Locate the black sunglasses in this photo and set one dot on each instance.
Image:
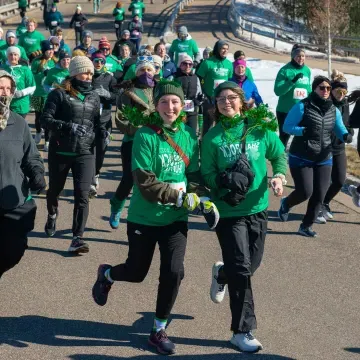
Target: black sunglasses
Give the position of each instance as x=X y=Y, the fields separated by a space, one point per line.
x=322 y=88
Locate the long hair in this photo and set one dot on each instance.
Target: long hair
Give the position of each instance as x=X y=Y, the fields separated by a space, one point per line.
x=67 y=86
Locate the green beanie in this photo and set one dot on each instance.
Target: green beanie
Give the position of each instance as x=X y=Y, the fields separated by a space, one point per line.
x=165 y=87
x=225 y=85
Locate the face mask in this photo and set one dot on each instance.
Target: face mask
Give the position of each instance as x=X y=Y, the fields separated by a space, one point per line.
x=82 y=86
x=147 y=79
x=4 y=110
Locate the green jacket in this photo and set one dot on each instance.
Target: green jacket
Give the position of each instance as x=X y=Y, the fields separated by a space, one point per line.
x=39 y=75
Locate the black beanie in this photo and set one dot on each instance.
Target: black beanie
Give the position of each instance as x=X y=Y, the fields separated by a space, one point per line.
x=339 y=84
x=318 y=80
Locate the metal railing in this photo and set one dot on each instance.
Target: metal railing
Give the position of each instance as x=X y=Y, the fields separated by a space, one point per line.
x=11 y=9
x=308 y=40
x=169 y=28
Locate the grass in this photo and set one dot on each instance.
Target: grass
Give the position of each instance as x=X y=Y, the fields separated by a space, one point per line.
x=353 y=161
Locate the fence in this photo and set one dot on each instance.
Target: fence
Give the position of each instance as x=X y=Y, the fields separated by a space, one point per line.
x=8 y=9
x=169 y=28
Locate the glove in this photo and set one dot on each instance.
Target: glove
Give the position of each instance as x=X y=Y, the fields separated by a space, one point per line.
x=37 y=184
x=79 y=130
x=195 y=64
x=103 y=92
x=234 y=181
x=189 y=201
x=297 y=77
x=348 y=138
x=200 y=99
x=18 y=94
x=210 y=212
x=233 y=198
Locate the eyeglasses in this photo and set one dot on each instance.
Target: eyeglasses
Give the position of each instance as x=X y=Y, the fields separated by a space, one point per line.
x=341 y=91
x=145 y=58
x=323 y=88
x=187 y=64
x=231 y=98
x=101 y=61
x=104 y=49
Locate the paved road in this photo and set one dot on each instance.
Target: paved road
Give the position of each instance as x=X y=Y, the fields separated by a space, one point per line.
x=306 y=291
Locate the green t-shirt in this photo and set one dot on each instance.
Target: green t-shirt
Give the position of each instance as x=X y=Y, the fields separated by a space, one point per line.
x=119 y=14
x=137 y=8
x=40 y=76
x=21 y=29
x=55 y=76
x=220 y=151
x=291 y=93
x=151 y=152
x=112 y=64
x=3 y=56
x=23 y=3
x=23 y=79
x=179 y=47
x=214 y=72
x=31 y=41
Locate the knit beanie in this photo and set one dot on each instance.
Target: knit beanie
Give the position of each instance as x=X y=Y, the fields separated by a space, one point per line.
x=88 y=33
x=78 y=7
x=125 y=32
x=157 y=59
x=98 y=55
x=183 y=30
x=80 y=65
x=185 y=57
x=12 y=50
x=207 y=50
x=10 y=33
x=296 y=50
x=54 y=40
x=165 y=87
x=104 y=43
x=225 y=85
x=239 y=62
x=318 y=80
x=144 y=63
x=64 y=55
x=46 y=45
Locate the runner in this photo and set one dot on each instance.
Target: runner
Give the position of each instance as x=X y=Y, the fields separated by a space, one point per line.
x=63 y=46
x=137 y=8
x=31 y=40
x=240 y=55
x=112 y=64
x=54 y=19
x=96 y=6
x=23 y=4
x=11 y=41
x=136 y=29
x=72 y=114
x=125 y=39
x=86 y=43
x=168 y=67
x=312 y=122
x=78 y=21
x=119 y=14
x=22 y=171
x=239 y=187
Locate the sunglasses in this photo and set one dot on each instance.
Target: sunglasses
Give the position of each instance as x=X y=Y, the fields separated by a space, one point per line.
x=157 y=67
x=101 y=61
x=187 y=64
x=145 y=58
x=104 y=49
x=323 y=88
x=231 y=98
x=341 y=91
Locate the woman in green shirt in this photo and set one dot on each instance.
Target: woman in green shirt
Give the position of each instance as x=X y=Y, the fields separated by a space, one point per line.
x=233 y=165
x=119 y=14
x=158 y=211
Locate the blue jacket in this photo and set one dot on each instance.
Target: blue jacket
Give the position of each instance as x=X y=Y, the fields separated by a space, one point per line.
x=169 y=68
x=250 y=90
x=88 y=51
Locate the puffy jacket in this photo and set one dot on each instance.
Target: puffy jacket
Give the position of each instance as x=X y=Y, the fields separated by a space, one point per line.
x=79 y=21
x=54 y=19
x=61 y=111
x=169 y=68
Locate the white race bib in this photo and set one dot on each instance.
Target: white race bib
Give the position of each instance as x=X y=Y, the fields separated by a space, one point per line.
x=300 y=94
x=117 y=26
x=136 y=11
x=217 y=83
x=178 y=186
x=78 y=23
x=54 y=23
x=189 y=106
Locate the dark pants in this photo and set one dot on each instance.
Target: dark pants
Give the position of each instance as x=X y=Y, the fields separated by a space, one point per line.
x=82 y=168
x=310 y=183
x=242 y=241
x=136 y=42
x=338 y=176
x=192 y=121
x=52 y=30
x=78 y=38
x=208 y=118
x=38 y=125
x=14 y=227
x=284 y=137
x=127 y=182
x=172 y=245
x=101 y=147
x=22 y=11
x=119 y=29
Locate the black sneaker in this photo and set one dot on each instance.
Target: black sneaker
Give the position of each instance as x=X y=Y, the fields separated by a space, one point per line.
x=50 y=226
x=102 y=286
x=78 y=245
x=162 y=343
x=283 y=212
x=210 y=213
x=307 y=231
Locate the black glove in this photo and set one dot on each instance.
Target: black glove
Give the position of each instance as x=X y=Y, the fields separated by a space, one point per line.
x=234 y=181
x=348 y=138
x=233 y=198
x=37 y=183
x=195 y=64
x=199 y=99
x=79 y=130
x=297 y=77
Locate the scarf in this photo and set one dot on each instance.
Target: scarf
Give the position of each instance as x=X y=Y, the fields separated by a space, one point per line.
x=84 y=87
x=323 y=104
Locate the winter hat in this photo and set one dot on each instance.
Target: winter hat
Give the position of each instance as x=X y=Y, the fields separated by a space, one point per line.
x=318 y=80
x=54 y=40
x=104 y=43
x=98 y=55
x=225 y=85
x=165 y=87
x=53 y=6
x=144 y=63
x=80 y=65
x=46 y=45
x=338 y=80
x=145 y=52
x=88 y=33
x=10 y=33
x=296 y=50
x=24 y=20
x=207 y=50
x=78 y=7
x=183 y=30
x=125 y=32
x=185 y=57
x=239 y=62
x=12 y=50
x=157 y=59
x=238 y=53
x=64 y=55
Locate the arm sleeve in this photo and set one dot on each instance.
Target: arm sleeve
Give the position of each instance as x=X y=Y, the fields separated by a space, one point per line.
x=256 y=96
x=71 y=21
x=339 y=128
x=30 y=83
x=202 y=69
x=275 y=153
x=293 y=119
x=85 y=20
x=354 y=119
x=282 y=83
x=209 y=169
x=196 y=51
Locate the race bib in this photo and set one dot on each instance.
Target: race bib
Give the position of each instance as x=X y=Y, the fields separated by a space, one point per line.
x=78 y=23
x=217 y=83
x=300 y=94
x=189 y=106
x=136 y=33
x=54 y=23
x=178 y=186
x=117 y=26
x=137 y=11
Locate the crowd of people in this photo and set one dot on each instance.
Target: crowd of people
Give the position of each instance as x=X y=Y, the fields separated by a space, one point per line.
x=191 y=140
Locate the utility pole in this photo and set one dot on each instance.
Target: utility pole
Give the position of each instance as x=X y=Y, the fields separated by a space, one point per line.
x=329 y=36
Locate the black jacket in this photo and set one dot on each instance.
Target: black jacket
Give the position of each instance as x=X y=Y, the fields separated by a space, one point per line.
x=354 y=120
x=61 y=111
x=78 y=18
x=119 y=43
x=20 y=162
x=189 y=84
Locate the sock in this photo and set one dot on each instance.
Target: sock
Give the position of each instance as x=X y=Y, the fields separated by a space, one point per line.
x=53 y=216
x=107 y=275
x=159 y=324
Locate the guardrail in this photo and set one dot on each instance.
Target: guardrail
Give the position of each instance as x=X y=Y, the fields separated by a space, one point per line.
x=12 y=9
x=169 y=27
x=287 y=36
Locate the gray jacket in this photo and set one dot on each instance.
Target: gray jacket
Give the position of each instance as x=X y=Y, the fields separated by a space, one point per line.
x=20 y=162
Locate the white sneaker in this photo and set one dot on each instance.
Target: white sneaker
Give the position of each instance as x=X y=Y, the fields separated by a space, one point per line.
x=96 y=181
x=217 y=291
x=92 y=192
x=46 y=146
x=37 y=138
x=320 y=218
x=246 y=342
x=355 y=195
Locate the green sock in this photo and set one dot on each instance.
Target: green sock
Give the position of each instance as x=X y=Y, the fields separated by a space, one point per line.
x=159 y=324
x=116 y=204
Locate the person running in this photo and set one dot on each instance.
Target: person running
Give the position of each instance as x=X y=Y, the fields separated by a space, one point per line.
x=184 y=44
x=54 y=19
x=233 y=165
x=23 y=4
x=136 y=29
x=40 y=68
x=104 y=84
x=137 y=8
x=312 y=122
x=63 y=46
x=96 y=6
x=138 y=94
x=192 y=89
x=125 y=39
x=86 y=43
x=292 y=85
x=46 y=6
x=338 y=172
x=11 y=41
x=158 y=211
x=252 y=96
x=22 y=27
x=119 y=14
x=168 y=68
x=112 y=64
x=24 y=80
x=212 y=72
x=240 y=55
x=72 y=114
x=22 y=173
x=78 y=22
x=31 y=40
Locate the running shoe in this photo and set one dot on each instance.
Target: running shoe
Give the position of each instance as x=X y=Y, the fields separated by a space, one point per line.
x=210 y=213
x=78 y=246
x=246 y=342
x=320 y=219
x=307 y=231
x=46 y=146
x=114 y=220
x=283 y=212
x=102 y=286
x=217 y=291
x=50 y=226
x=328 y=214
x=161 y=342
x=355 y=195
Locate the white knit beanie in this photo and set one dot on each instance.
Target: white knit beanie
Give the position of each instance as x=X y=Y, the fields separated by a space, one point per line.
x=80 y=65
x=185 y=57
x=144 y=63
x=157 y=59
x=12 y=50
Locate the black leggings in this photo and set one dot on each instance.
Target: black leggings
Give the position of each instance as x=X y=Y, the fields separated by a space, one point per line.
x=127 y=182
x=310 y=183
x=172 y=245
x=118 y=30
x=101 y=147
x=208 y=120
x=82 y=168
x=338 y=176
x=284 y=137
x=38 y=125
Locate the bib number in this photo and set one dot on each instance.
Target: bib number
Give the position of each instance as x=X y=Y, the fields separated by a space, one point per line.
x=78 y=24
x=135 y=33
x=136 y=11
x=189 y=106
x=54 y=23
x=300 y=94
x=117 y=26
x=217 y=83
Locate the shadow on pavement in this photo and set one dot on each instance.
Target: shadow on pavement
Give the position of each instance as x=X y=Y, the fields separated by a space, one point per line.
x=57 y=252
x=353 y=350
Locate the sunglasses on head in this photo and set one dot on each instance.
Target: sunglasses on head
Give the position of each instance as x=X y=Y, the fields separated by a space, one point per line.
x=99 y=60
x=323 y=88
x=145 y=58
x=187 y=64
